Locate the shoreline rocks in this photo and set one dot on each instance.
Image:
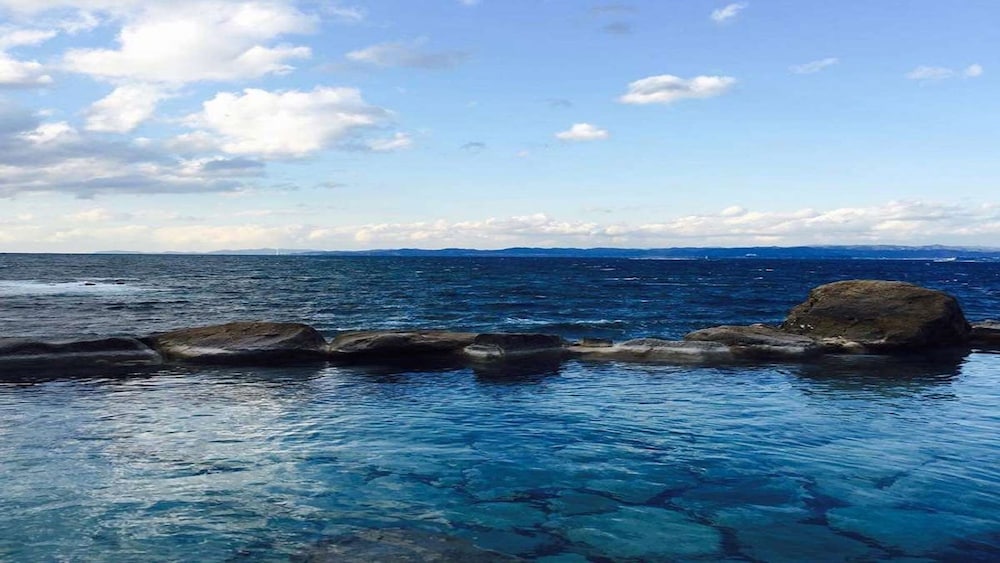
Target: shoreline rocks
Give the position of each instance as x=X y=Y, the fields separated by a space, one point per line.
x=759 y=342
x=842 y=318
x=658 y=351
x=986 y=333
x=398 y=345
x=78 y=354
x=242 y=343
x=514 y=346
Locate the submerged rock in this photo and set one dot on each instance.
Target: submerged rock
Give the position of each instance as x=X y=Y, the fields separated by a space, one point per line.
x=881 y=316
x=656 y=350
x=18 y=353
x=644 y=533
x=502 y=346
x=759 y=342
x=399 y=546
x=242 y=343
x=398 y=345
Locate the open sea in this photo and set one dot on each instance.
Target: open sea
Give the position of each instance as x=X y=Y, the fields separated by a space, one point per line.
x=849 y=459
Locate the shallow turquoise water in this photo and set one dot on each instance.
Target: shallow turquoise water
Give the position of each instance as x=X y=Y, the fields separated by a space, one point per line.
x=588 y=461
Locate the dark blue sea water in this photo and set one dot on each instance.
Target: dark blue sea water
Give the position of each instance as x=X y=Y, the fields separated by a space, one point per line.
x=852 y=459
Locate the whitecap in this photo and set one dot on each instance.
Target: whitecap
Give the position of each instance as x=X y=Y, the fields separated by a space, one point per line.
x=12 y=288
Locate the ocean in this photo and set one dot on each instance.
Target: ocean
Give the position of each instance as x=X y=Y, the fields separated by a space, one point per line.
x=855 y=458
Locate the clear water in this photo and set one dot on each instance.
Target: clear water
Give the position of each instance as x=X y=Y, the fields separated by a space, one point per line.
x=847 y=459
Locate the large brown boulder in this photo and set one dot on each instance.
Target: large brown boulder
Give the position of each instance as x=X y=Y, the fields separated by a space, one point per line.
x=242 y=343
x=881 y=316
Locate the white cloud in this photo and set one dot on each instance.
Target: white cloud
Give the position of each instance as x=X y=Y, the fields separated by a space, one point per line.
x=78 y=22
x=124 y=109
x=345 y=14
x=407 y=55
x=973 y=71
x=22 y=74
x=95 y=215
x=38 y=6
x=51 y=133
x=285 y=123
x=13 y=37
x=15 y=73
x=207 y=237
x=399 y=141
x=195 y=142
x=943 y=73
x=728 y=12
x=583 y=132
x=813 y=66
x=897 y=222
x=181 y=42
x=930 y=73
x=468 y=2
x=57 y=158
x=667 y=88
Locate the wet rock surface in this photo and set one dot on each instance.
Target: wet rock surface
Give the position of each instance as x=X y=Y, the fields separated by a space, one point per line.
x=986 y=333
x=21 y=353
x=514 y=346
x=242 y=343
x=759 y=342
x=398 y=345
x=882 y=316
x=657 y=350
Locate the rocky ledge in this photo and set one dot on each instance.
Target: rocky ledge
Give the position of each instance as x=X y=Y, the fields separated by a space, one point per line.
x=241 y=343
x=26 y=354
x=849 y=317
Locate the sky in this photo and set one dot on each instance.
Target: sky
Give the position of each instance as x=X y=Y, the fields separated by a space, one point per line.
x=199 y=125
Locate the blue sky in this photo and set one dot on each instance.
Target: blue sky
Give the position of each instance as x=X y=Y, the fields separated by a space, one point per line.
x=209 y=124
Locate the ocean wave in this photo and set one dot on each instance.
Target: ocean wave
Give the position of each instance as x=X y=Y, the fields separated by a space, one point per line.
x=580 y=323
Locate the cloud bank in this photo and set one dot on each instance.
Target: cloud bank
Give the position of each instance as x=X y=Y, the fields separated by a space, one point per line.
x=895 y=222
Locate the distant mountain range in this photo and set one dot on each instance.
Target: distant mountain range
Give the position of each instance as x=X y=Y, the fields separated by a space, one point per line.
x=936 y=252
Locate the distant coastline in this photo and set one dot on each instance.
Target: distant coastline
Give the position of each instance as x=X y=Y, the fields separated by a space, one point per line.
x=859 y=252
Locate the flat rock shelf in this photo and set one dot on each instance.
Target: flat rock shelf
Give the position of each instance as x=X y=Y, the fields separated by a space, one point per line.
x=848 y=317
